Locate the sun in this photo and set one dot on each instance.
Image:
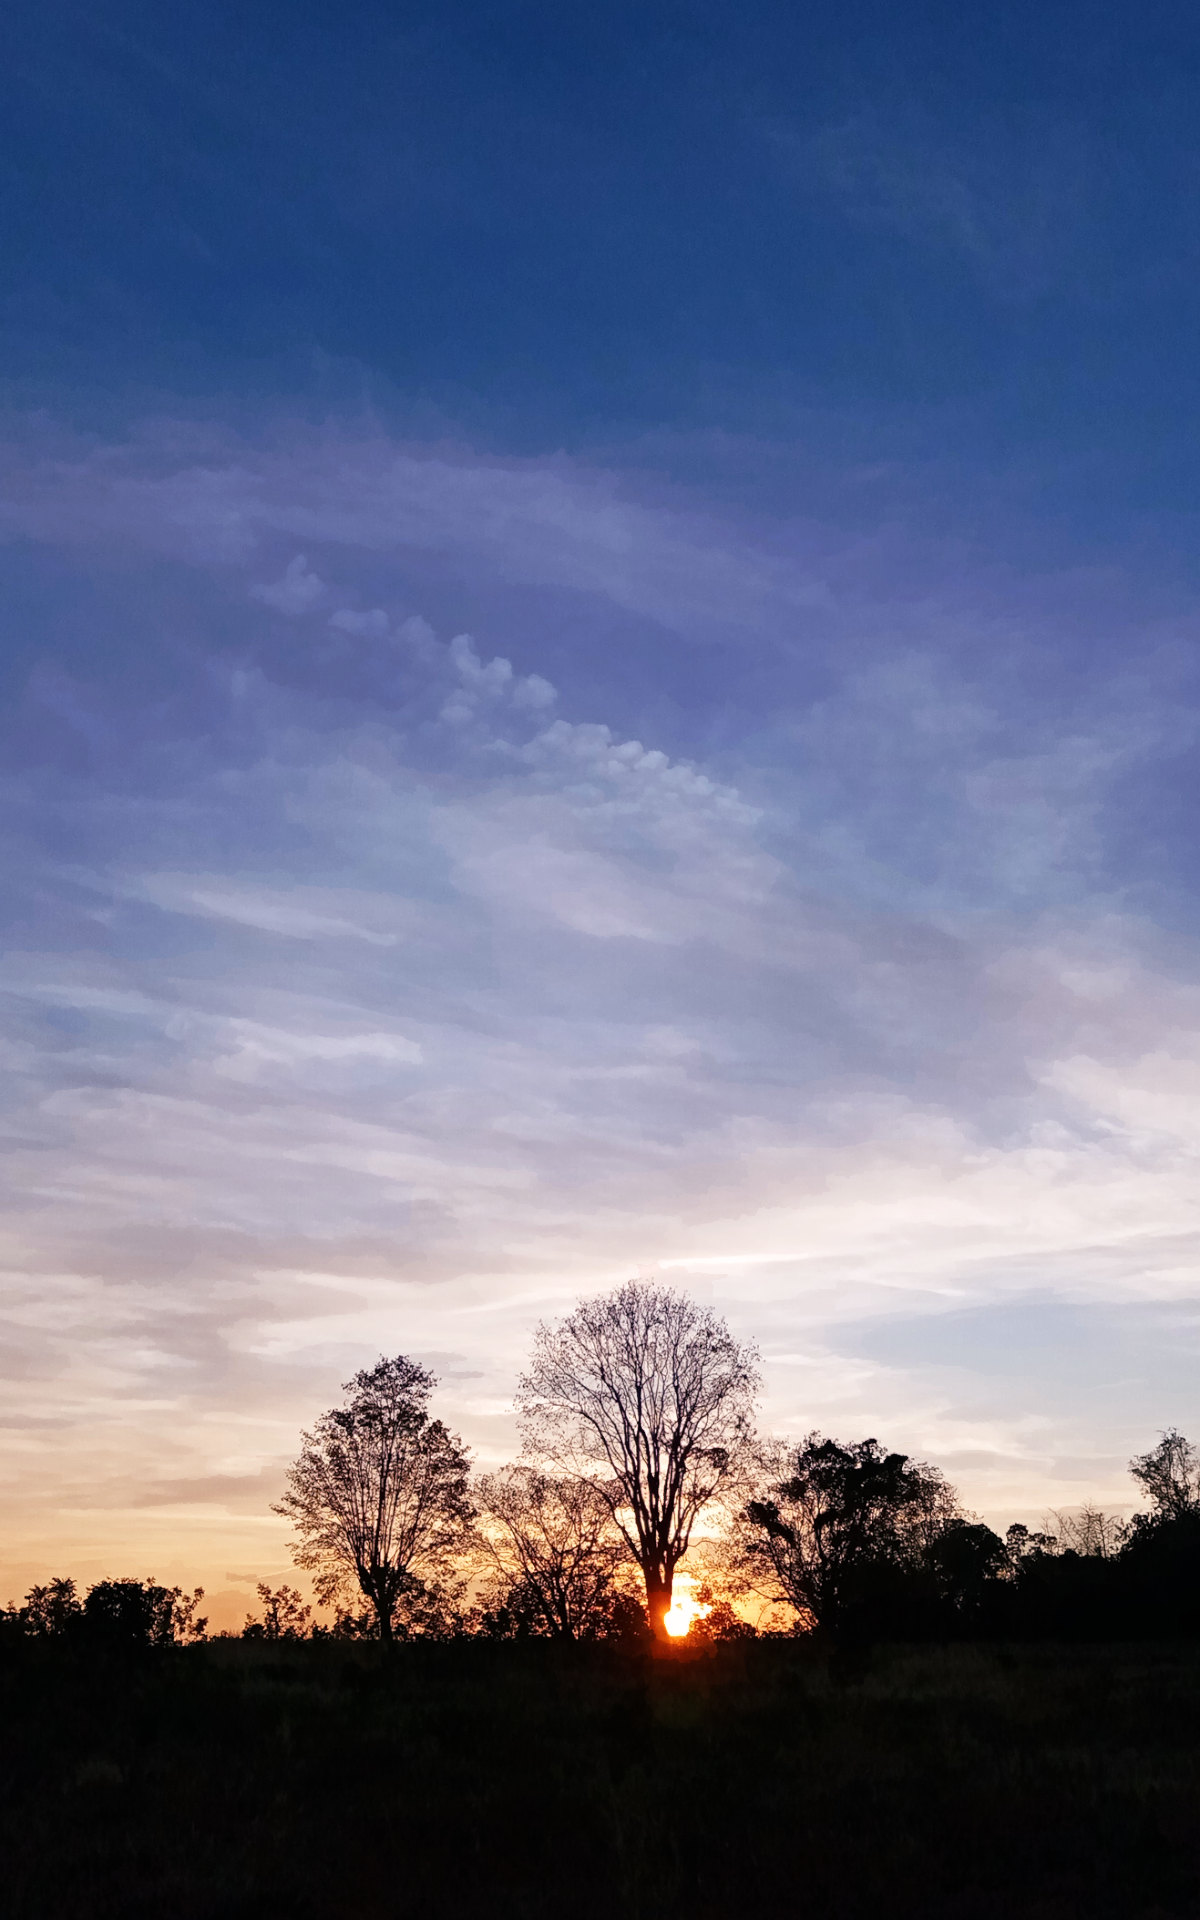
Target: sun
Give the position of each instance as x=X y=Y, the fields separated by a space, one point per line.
x=684 y=1609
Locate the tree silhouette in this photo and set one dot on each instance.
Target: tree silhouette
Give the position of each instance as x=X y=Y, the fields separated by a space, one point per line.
x=551 y=1550
x=648 y=1397
x=285 y=1615
x=837 y=1522
x=1090 y=1532
x=140 y=1613
x=379 y=1496
x=966 y=1559
x=1170 y=1475
x=52 y=1610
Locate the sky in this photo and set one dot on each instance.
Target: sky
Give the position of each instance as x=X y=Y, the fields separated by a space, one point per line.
x=600 y=676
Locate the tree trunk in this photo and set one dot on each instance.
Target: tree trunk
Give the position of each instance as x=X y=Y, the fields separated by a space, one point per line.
x=658 y=1603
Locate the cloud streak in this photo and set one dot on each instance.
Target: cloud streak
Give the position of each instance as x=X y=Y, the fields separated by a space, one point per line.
x=373 y=992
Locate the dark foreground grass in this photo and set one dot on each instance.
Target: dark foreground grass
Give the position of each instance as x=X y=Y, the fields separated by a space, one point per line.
x=520 y=1782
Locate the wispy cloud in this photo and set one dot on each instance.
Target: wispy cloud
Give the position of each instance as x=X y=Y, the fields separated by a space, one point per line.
x=388 y=997
x=1016 y=197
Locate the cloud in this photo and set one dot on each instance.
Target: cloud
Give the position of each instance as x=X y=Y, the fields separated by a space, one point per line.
x=299 y=914
x=546 y=523
x=299 y=590
x=1016 y=198
x=373 y=625
x=373 y=993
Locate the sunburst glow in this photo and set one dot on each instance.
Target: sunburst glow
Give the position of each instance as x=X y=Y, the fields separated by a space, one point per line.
x=685 y=1609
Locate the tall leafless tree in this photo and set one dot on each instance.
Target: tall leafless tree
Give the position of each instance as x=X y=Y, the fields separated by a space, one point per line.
x=379 y=1493
x=549 y=1544
x=650 y=1398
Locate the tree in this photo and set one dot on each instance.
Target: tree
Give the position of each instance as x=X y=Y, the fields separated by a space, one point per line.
x=648 y=1397
x=717 y=1619
x=379 y=1496
x=116 y=1613
x=1160 y=1558
x=285 y=1616
x=1090 y=1532
x=837 y=1522
x=552 y=1551
x=1170 y=1475
x=967 y=1559
x=1024 y=1547
x=52 y=1610
x=139 y=1613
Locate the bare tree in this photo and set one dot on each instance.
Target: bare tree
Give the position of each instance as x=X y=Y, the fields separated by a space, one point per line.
x=1170 y=1475
x=379 y=1495
x=551 y=1549
x=1091 y=1532
x=649 y=1397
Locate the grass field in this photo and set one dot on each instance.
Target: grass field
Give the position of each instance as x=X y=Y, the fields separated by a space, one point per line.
x=526 y=1781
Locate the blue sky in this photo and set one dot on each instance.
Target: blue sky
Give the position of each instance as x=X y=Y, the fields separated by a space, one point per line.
x=600 y=675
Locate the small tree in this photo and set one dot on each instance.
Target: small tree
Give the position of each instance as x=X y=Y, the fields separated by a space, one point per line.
x=837 y=1520
x=52 y=1610
x=1024 y=1548
x=1090 y=1532
x=1170 y=1475
x=647 y=1396
x=552 y=1551
x=379 y=1495
x=967 y=1560
x=285 y=1616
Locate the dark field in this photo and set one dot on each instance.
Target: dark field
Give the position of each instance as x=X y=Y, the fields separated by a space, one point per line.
x=239 y=1780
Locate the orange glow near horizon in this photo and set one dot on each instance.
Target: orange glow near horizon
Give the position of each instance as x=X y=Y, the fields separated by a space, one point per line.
x=684 y=1609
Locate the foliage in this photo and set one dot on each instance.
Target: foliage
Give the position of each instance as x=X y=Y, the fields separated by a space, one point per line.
x=552 y=1556
x=718 y=1621
x=140 y=1613
x=647 y=1396
x=1024 y=1546
x=966 y=1559
x=54 y=1609
x=285 y=1615
x=841 y=1529
x=433 y=1612
x=116 y=1614
x=519 y=1614
x=379 y=1498
x=1170 y=1476
x=1091 y=1532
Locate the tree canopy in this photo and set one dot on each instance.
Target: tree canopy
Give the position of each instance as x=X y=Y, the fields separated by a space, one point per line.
x=647 y=1396
x=379 y=1496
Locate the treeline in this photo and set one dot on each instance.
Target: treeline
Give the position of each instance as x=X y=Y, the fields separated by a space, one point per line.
x=873 y=1545
x=641 y=1460
x=849 y=1540
x=115 y=1614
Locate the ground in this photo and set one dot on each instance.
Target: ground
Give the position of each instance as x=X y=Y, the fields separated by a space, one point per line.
x=232 y=1781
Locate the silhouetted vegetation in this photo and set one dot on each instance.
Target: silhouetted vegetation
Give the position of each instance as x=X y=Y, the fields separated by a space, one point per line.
x=553 y=1561
x=647 y=1398
x=252 y=1781
x=379 y=1499
x=926 y=1719
x=114 y=1616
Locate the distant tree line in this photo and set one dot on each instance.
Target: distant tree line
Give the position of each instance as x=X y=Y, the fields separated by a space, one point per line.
x=116 y=1614
x=640 y=1454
